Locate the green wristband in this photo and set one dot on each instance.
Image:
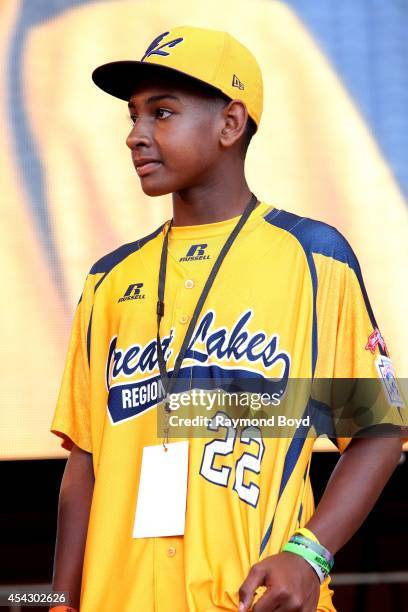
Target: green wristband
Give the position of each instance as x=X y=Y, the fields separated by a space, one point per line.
x=317 y=548
x=308 y=555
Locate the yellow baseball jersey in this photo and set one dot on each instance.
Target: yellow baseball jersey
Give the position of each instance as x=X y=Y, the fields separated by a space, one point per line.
x=288 y=302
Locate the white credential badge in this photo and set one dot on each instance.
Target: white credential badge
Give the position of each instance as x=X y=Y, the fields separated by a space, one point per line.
x=161 y=502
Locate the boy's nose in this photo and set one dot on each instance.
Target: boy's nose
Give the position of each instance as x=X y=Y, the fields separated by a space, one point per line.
x=138 y=137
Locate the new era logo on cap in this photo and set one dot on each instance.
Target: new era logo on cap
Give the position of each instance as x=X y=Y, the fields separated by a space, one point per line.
x=237 y=83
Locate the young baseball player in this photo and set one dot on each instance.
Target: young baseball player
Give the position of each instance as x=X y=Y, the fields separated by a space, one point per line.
x=230 y=289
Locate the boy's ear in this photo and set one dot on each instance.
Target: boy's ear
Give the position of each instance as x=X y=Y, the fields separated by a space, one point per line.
x=235 y=117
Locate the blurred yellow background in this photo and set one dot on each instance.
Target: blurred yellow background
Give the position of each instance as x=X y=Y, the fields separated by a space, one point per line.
x=74 y=196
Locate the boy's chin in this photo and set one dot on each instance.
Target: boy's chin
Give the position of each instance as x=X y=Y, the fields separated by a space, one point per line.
x=155 y=190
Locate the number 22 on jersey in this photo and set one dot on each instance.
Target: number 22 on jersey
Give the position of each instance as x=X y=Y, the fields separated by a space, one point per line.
x=249 y=461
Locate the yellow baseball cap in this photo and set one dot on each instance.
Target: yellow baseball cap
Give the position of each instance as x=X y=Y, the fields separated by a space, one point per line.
x=210 y=56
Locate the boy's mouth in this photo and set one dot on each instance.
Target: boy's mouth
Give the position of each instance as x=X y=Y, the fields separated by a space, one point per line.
x=146 y=166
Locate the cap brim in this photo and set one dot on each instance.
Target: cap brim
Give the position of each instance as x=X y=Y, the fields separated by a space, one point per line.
x=120 y=79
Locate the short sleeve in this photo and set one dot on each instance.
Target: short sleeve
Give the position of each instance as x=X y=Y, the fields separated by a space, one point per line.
x=352 y=350
x=71 y=420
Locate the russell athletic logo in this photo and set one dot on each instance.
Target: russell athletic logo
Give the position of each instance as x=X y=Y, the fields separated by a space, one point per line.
x=195 y=252
x=133 y=292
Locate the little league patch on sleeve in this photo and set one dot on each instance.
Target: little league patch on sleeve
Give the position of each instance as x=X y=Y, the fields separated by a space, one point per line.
x=375 y=339
x=386 y=372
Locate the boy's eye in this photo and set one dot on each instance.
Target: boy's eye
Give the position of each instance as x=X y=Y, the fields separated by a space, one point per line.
x=162 y=113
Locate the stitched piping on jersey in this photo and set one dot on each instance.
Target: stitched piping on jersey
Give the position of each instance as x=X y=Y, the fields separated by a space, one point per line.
x=88 y=339
x=292 y=456
x=308 y=253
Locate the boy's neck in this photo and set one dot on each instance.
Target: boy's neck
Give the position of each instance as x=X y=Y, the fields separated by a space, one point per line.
x=203 y=205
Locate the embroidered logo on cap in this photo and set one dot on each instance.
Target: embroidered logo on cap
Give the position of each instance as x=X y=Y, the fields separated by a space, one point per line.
x=155 y=49
x=237 y=83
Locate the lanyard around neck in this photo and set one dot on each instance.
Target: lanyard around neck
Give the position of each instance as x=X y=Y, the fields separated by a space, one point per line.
x=168 y=382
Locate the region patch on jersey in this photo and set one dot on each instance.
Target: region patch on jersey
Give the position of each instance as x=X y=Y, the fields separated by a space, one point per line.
x=387 y=374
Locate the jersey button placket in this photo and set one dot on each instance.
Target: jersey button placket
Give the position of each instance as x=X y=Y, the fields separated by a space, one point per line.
x=171 y=576
x=188 y=284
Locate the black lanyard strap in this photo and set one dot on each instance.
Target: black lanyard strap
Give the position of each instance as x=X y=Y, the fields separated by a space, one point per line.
x=168 y=382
